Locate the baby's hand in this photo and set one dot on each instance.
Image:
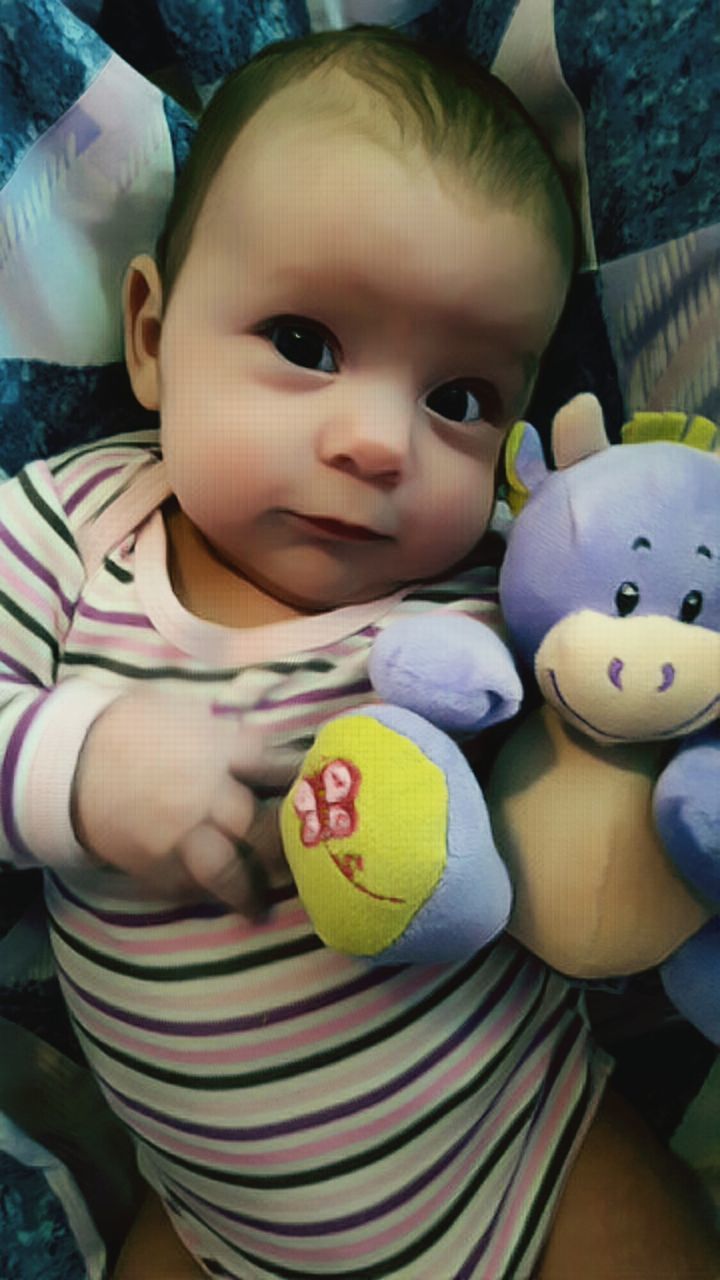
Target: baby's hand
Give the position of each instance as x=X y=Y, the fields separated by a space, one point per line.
x=163 y=792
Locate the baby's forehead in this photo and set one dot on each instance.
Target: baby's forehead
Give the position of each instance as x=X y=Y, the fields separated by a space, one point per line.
x=330 y=103
x=323 y=170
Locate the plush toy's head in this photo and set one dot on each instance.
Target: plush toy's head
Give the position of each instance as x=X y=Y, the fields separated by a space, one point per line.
x=611 y=582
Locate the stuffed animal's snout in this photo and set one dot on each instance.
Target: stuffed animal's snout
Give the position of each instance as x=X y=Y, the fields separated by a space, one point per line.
x=630 y=679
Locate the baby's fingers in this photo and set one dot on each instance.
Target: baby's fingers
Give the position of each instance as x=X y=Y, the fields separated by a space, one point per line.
x=237 y=855
x=222 y=867
x=259 y=762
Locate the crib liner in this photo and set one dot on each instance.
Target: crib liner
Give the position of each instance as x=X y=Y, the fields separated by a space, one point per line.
x=106 y=163
x=646 y=78
x=334 y=15
x=663 y=308
x=46 y=408
x=28 y=1199
x=48 y=58
x=527 y=61
x=209 y=40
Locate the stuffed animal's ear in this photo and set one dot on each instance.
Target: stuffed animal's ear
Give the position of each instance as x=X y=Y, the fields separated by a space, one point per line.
x=524 y=464
x=578 y=430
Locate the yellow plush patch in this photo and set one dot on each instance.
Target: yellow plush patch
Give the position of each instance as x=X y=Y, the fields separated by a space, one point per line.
x=363 y=889
x=517 y=493
x=675 y=428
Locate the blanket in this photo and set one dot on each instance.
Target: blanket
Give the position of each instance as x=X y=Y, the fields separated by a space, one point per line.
x=98 y=101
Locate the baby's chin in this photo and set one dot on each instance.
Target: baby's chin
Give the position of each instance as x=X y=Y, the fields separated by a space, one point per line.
x=311 y=594
x=323 y=597
x=326 y=602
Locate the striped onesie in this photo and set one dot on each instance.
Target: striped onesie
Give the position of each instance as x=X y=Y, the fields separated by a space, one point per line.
x=300 y=1113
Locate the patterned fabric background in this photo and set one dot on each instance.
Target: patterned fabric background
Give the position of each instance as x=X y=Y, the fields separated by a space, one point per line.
x=94 y=123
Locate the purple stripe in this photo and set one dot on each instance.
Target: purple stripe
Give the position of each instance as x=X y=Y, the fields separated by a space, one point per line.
x=20 y=681
x=363 y=1217
x=314 y=696
x=7 y=777
x=330 y=1226
x=561 y=1052
x=253 y=1022
x=27 y=676
x=330 y=1115
x=92 y=483
x=144 y=919
x=36 y=568
x=114 y=616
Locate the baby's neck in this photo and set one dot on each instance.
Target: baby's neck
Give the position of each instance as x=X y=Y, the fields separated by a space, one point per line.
x=210 y=589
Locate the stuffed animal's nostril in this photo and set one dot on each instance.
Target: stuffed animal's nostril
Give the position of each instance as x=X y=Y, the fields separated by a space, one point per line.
x=668 y=674
x=614 y=669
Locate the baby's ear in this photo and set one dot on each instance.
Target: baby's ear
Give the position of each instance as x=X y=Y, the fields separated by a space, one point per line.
x=142 y=309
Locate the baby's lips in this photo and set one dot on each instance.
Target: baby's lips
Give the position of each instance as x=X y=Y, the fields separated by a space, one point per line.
x=337 y=527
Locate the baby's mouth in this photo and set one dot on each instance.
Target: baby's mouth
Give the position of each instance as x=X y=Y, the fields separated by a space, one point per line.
x=341 y=529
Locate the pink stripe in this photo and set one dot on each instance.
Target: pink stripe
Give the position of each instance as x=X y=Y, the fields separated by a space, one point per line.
x=288 y=982
x=23 y=593
x=228 y=936
x=121 y=645
x=89 y=486
x=419 y=1218
x=314 y=697
x=238 y=1055
x=22 y=556
x=290 y=1157
x=523 y=1189
x=310 y=720
x=73 y=477
x=340 y=1140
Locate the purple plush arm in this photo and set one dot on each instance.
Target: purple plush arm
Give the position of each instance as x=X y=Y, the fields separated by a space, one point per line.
x=449 y=668
x=686 y=803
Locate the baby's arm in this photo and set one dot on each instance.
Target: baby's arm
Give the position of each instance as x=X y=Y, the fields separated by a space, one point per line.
x=157 y=793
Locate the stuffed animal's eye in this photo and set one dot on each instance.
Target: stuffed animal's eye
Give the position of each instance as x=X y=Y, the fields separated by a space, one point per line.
x=627 y=597
x=691 y=606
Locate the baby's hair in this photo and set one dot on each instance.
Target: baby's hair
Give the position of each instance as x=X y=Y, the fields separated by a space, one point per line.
x=433 y=95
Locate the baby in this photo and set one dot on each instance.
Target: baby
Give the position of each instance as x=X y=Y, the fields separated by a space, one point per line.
x=367 y=254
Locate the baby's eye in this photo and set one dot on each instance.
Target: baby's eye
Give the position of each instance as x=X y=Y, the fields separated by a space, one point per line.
x=303 y=342
x=464 y=401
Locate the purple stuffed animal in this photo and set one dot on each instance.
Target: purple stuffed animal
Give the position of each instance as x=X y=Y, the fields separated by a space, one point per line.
x=611 y=593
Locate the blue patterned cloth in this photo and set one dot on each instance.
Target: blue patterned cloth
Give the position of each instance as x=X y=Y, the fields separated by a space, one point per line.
x=36 y=1242
x=89 y=147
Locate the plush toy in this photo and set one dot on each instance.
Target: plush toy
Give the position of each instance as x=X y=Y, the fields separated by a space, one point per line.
x=611 y=589
x=386 y=830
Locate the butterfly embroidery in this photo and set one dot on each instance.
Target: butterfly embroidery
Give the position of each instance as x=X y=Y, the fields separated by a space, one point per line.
x=325 y=803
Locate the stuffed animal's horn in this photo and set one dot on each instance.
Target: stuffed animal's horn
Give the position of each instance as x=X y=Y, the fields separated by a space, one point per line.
x=578 y=430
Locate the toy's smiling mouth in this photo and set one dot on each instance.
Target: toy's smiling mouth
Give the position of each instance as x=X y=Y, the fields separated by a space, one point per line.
x=351 y=865
x=685 y=726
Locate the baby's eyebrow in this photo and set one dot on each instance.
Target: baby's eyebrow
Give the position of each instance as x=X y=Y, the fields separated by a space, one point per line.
x=323 y=290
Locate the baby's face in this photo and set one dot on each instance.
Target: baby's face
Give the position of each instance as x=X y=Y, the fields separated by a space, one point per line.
x=346 y=343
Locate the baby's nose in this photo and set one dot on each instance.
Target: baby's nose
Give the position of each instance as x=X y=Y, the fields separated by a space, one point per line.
x=371 y=437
